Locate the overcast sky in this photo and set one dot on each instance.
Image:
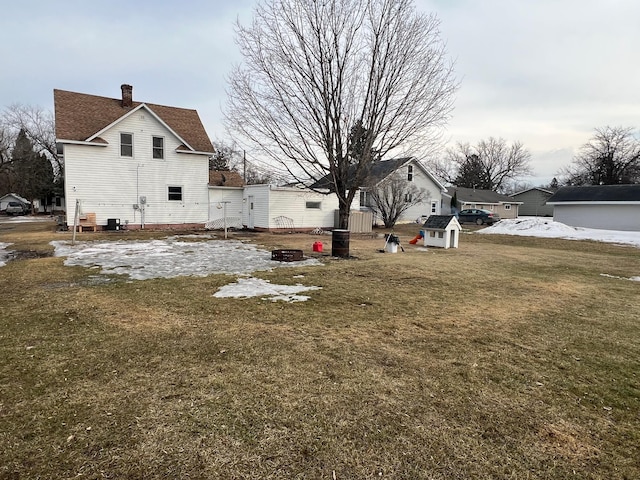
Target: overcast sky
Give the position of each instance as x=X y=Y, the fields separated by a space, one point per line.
x=542 y=72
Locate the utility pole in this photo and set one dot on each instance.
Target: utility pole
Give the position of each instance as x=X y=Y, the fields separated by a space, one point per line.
x=244 y=166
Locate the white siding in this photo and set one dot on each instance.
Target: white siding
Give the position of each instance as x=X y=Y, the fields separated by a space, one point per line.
x=606 y=217
x=292 y=203
x=232 y=198
x=271 y=202
x=109 y=185
x=433 y=193
x=260 y=195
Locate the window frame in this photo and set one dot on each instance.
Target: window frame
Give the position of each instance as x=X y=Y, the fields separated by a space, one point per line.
x=313 y=204
x=409 y=173
x=174 y=193
x=122 y=144
x=154 y=148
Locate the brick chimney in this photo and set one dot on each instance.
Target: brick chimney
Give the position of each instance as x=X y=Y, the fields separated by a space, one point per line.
x=127 y=95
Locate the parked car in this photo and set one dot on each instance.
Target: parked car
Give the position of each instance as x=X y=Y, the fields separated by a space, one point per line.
x=478 y=216
x=15 y=208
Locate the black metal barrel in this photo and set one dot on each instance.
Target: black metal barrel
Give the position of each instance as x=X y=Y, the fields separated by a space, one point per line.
x=340 y=243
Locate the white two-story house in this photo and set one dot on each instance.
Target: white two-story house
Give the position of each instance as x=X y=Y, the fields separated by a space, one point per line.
x=138 y=164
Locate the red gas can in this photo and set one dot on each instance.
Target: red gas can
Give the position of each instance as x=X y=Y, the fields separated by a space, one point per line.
x=317 y=247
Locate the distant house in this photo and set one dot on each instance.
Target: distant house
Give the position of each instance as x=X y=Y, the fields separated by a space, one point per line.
x=441 y=231
x=609 y=207
x=144 y=164
x=534 y=202
x=13 y=197
x=503 y=205
x=413 y=171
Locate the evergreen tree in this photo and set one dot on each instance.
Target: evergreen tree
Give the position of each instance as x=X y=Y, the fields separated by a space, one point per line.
x=33 y=172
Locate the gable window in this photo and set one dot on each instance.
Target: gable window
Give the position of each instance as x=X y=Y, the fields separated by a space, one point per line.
x=316 y=205
x=175 y=194
x=410 y=173
x=507 y=206
x=126 y=145
x=158 y=147
x=434 y=208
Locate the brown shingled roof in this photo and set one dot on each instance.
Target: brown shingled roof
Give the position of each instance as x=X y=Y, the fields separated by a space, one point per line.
x=79 y=116
x=219 y=178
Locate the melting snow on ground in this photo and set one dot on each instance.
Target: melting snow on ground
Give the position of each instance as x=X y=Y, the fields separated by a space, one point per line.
x=256 y=287
x=4 y=253
x=181 y=256
x=171 y=257
x=545 y=227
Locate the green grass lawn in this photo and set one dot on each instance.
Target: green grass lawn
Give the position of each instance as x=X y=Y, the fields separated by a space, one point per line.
x=510 y=357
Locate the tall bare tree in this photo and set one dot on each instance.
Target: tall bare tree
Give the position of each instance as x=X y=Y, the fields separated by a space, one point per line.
x=611 y=157
x=38 y=124
x=489 y=165
x=314 y=70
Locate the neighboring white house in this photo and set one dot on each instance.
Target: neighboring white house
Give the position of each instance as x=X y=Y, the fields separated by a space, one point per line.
x=146 y=165
x=442 y=231
x=608 y=207
x=409 y=169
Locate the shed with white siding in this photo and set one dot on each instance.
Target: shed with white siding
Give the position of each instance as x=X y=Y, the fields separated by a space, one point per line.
x=267 y=207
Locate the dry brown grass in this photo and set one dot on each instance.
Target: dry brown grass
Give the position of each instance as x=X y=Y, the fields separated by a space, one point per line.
x=506 y=358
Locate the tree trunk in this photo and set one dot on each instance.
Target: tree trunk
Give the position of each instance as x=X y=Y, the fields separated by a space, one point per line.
x=343 y=216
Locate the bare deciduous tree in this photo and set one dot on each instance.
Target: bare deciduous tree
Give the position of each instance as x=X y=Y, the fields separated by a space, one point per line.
x=39 y=126
x=315 y=70
x=393 y=196
x=611 y=157
x=489 y=165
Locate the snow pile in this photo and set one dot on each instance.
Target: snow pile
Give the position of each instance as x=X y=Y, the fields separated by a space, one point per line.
x=4 y=254
x=544 y=227
x=170 y=257
x=256 y=287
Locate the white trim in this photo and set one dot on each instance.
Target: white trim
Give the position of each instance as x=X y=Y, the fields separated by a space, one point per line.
x=131 y=112
x=80 y=142
x=194 y=152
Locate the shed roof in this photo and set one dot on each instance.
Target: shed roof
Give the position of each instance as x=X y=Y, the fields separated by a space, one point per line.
x=438 y=222
x=547 y=191
x=473 y=195
x=225 y=178
x=80 y=116
x=597 y=193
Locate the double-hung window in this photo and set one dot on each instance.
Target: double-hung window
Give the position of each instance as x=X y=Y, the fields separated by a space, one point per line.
x=174 y=193
x=410 y=173
x=126 y=145
x=158 y=147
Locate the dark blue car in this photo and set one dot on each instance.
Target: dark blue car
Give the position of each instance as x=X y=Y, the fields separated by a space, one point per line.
x=478 y=216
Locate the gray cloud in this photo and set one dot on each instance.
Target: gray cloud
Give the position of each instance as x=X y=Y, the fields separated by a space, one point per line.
x=545 y=73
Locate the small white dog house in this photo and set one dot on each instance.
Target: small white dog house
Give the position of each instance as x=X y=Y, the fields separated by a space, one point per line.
x=441 y=231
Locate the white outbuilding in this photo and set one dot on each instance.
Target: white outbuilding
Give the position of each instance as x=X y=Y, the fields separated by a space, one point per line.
x=441 y=231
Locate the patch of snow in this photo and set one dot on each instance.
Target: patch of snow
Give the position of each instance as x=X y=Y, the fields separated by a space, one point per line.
x=256 y=287
x=170 y=257
x=4 y=253
x=547 y=228
x=633 y=279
